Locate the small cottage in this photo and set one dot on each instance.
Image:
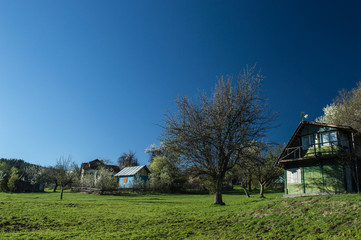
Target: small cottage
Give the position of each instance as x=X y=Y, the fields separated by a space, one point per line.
x=132 y=177
x=24 y=184
x=321 y=159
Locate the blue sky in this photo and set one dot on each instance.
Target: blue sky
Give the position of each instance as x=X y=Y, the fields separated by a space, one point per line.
x=92 y=79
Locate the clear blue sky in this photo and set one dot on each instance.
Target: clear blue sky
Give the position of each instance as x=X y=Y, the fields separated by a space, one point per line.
x=92 y=79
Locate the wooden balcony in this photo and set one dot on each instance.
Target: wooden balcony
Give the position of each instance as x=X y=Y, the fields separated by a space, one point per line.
x=314 y=151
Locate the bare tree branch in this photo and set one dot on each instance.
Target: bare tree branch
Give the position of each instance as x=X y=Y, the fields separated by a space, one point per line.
x=213 y=133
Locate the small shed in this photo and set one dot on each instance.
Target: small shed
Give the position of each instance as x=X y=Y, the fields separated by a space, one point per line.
x=132 y=177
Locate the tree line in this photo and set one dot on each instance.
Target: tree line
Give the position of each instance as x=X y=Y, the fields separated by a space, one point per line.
x=16 y=175
x=171 y=173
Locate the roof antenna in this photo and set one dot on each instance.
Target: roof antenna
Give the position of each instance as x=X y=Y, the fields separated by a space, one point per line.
x=303 y=116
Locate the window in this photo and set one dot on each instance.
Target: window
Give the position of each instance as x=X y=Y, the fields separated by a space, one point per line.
x=308 y=142
x=293 y=175
x=327 y=138
x=125 y=179
x=344 y=140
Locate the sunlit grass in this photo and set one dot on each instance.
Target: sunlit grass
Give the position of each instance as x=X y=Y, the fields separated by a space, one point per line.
x=84 y=216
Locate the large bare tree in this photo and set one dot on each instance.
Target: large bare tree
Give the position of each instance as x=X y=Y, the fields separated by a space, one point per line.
x=214 y=132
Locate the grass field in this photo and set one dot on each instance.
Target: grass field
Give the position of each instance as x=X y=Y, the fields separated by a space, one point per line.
x=165 y=216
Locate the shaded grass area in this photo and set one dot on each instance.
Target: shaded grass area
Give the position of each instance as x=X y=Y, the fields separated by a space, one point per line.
x=165 y=216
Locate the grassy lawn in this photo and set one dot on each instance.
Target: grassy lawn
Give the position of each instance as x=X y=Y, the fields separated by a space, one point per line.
x=165 y=216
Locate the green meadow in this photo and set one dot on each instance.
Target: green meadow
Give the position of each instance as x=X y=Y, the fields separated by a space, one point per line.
x=178 y=216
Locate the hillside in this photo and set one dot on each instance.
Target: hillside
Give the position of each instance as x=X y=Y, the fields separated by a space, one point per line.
x=20 y=164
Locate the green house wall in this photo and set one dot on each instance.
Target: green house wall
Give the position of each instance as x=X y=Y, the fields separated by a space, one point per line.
x=318 y=178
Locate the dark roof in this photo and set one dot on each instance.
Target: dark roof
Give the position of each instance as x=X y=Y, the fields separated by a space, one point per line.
x=96 y=164
x=113 y=168
x=304 y=123
x=328 y=125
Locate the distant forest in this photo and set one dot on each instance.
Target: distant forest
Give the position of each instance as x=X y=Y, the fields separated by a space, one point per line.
x=20 y=164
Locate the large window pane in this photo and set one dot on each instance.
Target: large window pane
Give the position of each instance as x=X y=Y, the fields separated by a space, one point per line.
x=333 y=137
x=325 y=139
x=328 y=138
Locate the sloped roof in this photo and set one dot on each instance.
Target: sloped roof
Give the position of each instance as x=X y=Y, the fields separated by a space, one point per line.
x=113 y=168
x=304 y=123
x=97 y=164
x=130 y=171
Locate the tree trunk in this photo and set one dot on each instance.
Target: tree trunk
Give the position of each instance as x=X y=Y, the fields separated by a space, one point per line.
x=55 y=187
x=61 y=193
x=245 y=190
x=250 y=183
x=262 y=190
x=218 y=194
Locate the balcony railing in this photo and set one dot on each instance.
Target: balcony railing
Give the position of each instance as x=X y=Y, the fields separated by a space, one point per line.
x=315 y=150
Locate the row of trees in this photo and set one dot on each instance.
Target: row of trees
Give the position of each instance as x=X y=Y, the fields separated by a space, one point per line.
x=17 y=175
x=14 y=172
x=11 y=171
x=170 y=173
x=259 y=165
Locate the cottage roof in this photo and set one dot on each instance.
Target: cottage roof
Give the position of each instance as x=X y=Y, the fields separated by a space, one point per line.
x=113 y=168
x=97 y=164
x=130 y=171
x=304 y=123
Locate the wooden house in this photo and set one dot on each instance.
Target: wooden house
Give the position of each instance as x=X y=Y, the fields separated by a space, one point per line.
x=93 y=168
x=132 y=177
x=24 y=184
x=321 y=159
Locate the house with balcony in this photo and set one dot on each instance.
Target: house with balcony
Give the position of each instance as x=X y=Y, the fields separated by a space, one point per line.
x=321 y=159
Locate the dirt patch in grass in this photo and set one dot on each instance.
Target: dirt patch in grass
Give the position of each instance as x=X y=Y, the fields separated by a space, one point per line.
x=17 y=224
